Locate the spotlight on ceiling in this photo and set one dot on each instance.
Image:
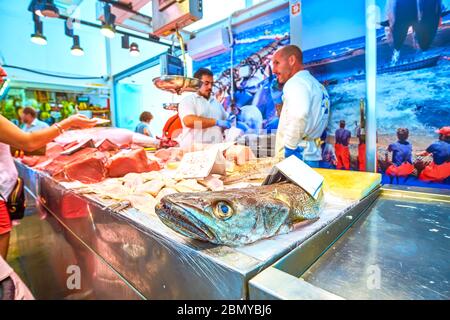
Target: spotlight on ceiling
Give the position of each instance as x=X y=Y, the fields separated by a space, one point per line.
x=39 y=39
x=108 y=29
x=38 y=35
x=134 y=50
x=133 y=47
x=76 y=50
x=46 y=8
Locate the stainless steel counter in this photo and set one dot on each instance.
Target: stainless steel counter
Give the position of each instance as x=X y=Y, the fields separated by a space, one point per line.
x=398 y=249
x=154 y=261
x=44 y=253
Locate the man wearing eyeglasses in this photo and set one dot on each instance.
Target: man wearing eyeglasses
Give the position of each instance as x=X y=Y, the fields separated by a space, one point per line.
x=203 y=118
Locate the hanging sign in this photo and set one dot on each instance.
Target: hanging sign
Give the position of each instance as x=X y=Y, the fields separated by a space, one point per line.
x=296 y=8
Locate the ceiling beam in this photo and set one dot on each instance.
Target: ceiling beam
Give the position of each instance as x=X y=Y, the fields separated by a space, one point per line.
x=150 y=38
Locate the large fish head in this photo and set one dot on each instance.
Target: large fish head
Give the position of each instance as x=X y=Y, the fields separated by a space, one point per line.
x=232 y=217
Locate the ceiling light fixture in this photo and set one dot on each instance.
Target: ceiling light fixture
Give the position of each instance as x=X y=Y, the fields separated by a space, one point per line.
x=108 y=29
x=38 y=35
x=133 y=47
x=46 y=8
x=76 y=50
x=134 y=50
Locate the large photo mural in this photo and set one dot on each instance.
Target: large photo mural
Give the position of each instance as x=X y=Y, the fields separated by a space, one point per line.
x=255 y=92
x=413 y=39
x=412 y=92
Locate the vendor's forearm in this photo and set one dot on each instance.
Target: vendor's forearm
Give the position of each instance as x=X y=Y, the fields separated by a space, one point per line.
x=294 y=135
x=196 y=122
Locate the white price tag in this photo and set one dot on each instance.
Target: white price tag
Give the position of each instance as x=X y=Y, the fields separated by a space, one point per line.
x=295 y=170
x=200 y=164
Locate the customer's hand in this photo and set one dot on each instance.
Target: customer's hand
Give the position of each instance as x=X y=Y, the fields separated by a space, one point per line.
x=78 y=121
x=224 y=124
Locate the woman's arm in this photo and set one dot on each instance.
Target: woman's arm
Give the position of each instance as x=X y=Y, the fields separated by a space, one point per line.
x=13 y=136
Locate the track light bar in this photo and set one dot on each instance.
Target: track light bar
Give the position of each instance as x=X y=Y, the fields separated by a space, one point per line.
x=76 y=50
x=108 y=29
x=38 y=36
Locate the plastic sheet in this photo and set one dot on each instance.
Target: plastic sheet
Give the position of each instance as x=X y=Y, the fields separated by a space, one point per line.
x=161 y=264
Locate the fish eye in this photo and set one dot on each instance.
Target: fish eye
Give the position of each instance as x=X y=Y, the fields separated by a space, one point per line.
x=223 y=210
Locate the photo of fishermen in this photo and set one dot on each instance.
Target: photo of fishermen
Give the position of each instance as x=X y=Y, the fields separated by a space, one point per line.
x=397 y=161
x=413 y=118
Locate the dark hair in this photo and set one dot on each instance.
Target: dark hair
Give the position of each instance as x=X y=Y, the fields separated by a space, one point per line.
x=342 y=123
x=444 y=137
x=145 y=116
x=402 y=134
x=30 y=111
x=202 y=72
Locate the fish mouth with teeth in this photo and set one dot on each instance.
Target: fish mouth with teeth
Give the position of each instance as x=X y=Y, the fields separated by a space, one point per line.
x=176 y=215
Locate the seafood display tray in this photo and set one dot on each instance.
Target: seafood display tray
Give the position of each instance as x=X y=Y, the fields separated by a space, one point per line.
x=397 y=249
x=158 y=263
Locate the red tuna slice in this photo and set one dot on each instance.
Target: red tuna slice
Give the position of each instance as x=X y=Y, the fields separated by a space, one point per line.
x=154 y=166
x=53 y=150
x=30 y=161
x=89 y=169
x=43 y=164
x=130 y=161
x=36 y=161
x=70 y=145
x=106 y=145
x=82 y=145
x=57 y=165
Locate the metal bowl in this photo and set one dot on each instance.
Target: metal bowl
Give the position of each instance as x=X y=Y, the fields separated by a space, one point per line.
x=171 y=106
x=177 y=84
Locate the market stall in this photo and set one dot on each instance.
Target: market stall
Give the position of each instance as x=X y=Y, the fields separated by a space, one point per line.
x=158 y=263
x=114 y=214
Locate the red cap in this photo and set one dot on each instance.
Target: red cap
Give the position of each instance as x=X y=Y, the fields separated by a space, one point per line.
x=444 y=131
x=2 y=73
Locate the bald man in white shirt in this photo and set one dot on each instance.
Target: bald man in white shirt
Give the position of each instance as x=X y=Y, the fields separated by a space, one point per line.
x=306 y=108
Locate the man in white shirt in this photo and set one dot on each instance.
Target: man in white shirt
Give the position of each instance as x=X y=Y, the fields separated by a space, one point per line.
x=306 y=108
x=203 y=118
x=30 y=121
